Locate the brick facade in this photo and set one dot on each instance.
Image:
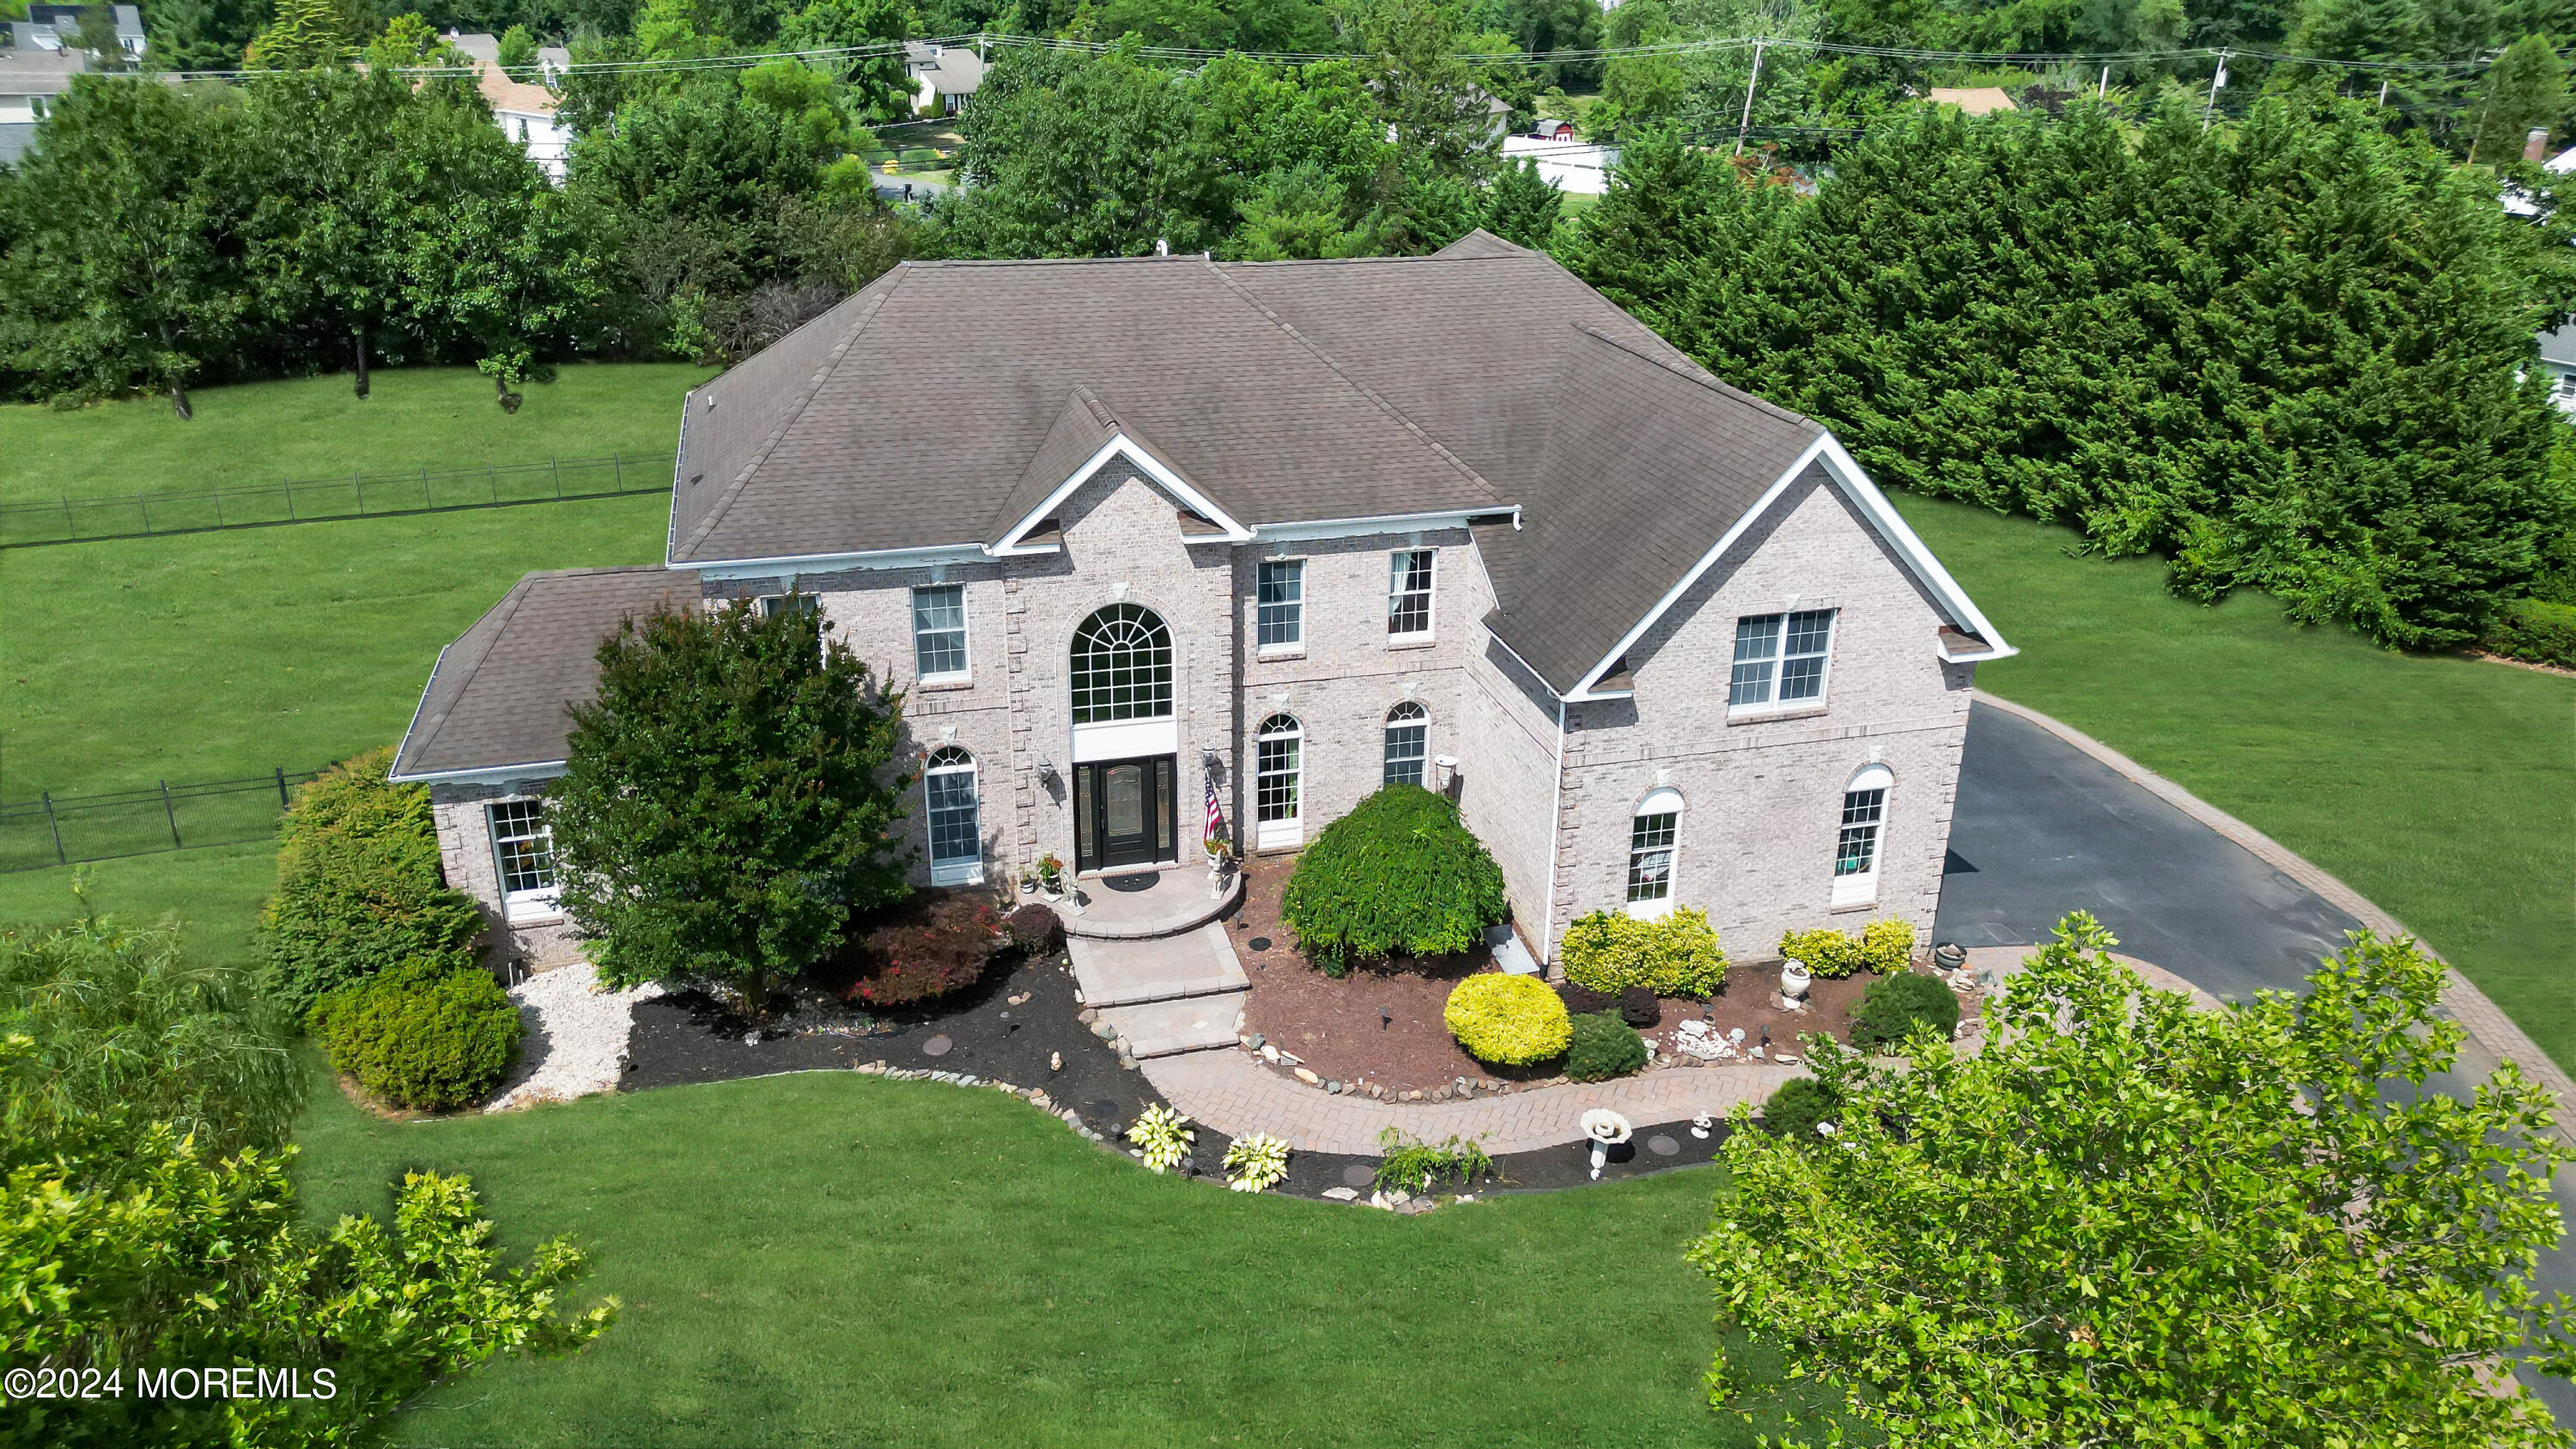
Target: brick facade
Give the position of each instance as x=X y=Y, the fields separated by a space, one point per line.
x=465 y=852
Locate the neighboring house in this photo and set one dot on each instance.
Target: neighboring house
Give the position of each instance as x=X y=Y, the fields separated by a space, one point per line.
x=524 y=112
x=1975 y=100
x=30 y=81
x=58 y=27
x=943 y=76
x=2558 y=361
x=1150 y=526
x=1569 y=165
x=1552 y=129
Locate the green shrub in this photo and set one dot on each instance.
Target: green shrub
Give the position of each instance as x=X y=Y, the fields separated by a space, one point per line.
x=1611 y=951
x=1883 y=946
x=1514 y=1020
x=1398 y=876
x=428 y=1033
x=1411 y=1165
x=1892 y=1008
x=1036 y=929
x=1603 y=1047
x=2534 y=629
x=358 y=887
x=918 y=158
x=1800 y=1104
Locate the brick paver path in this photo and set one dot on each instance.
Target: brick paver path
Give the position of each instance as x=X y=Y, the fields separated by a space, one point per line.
x=1234 y=1094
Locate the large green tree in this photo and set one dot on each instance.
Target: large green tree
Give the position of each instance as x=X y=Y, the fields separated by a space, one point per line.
x=729 y=801
x=2126 y=1221
x=2525 y=91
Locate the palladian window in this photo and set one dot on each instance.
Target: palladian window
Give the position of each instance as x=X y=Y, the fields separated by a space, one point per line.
x=1122 y=666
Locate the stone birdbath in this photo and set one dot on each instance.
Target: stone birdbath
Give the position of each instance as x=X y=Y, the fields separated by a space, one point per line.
x=1604 y=1129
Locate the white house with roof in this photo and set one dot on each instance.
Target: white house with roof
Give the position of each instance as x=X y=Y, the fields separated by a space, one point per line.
x=943 y=76
x=31 y=80
x=524 y=112
x=58 y=28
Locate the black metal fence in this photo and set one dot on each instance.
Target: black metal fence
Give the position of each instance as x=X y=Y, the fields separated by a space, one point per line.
x=318 y=500
x=56 y=830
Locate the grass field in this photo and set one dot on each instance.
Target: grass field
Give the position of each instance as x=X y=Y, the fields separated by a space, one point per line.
x=2444 y=789
x=831 y=1259
x=265 y=432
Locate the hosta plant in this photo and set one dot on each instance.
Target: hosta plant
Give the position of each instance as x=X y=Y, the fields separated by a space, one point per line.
x=1163 y=1135
x=1255 y=1161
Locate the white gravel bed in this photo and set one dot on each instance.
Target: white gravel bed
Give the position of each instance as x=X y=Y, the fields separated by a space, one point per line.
x=576 y=1038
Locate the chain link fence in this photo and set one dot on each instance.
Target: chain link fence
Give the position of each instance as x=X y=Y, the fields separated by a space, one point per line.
x=318 y=500
x=54 y=830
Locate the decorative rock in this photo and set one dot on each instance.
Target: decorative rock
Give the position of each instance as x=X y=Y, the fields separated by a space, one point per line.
x=1086 y=1016
x=1358 y=1175
x=1440 y=1093
x=1292 y=1059
x=1103 y=1030
x=1663 y=1146
x=1269 y=1053
x=1341 y=1194
x=1257 y=1041
x=937 y=1046
x=1126 y=1062
x=1333 y=1087
x=1376 y=1092
x=1399 y=1197
x=1307 y=1075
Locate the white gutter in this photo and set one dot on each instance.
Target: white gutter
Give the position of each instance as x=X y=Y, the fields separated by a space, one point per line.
x=485 y=775
x=1555 y=822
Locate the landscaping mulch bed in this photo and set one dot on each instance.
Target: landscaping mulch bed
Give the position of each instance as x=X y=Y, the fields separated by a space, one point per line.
x=1312 y=1174
x=1382 y=1023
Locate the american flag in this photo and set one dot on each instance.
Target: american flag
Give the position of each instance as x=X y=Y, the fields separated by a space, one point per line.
x=1215 y=815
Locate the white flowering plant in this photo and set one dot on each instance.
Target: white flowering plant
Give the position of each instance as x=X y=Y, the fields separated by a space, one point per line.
x=1255 y=1161
x=1163 y=1135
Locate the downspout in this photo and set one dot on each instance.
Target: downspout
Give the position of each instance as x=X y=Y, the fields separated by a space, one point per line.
x=1555 y=823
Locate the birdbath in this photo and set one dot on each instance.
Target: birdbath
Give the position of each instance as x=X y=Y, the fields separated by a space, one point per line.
x=1604 y=1129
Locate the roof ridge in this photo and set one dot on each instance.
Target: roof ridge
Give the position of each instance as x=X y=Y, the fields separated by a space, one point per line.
x=1697 y=374
x=1439 y=448
x=831 y=362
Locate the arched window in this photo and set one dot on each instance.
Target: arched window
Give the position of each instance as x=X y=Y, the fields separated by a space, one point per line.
x=1654 y=836
x=1278 y=777
x=1857 y=848
x=1408 y=735
x=956 y=832
x=1122 y=666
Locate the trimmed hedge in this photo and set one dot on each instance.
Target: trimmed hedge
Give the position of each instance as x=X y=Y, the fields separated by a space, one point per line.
x=2537 y=630
x=1883 y=946
x=1890 y=1009
x=1398 y=876
x=1513 y=1020
x=358 y=888
x=1798 y=1106
x=1676 y=956
x=427 y=1033
x=1036 y=929
x=1603 y=1047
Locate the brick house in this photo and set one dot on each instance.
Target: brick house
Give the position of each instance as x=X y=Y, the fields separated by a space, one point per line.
x=1142 y=527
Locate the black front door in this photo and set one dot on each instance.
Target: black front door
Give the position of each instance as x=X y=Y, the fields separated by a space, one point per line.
x=1122 y=812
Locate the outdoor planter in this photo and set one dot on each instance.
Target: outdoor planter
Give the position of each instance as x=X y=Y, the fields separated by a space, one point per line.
x=1795 y=978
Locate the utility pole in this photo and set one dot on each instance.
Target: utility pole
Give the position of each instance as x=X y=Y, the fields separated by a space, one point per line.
x=2216 y=79
x=1746 y=124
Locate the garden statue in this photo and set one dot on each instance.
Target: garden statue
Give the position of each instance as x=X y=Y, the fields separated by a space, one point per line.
x=1604 y=1129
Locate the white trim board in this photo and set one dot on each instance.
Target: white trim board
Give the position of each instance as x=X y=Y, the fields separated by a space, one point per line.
x=484 y=775
x=1120 y=445
x=1847 y=475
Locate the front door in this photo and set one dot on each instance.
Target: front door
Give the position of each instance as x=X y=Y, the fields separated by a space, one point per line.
x=1122 y=813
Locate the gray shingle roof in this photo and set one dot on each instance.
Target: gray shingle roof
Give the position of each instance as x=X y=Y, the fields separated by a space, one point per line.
x=2558 y=346
x=498 y=695
x=942 y=403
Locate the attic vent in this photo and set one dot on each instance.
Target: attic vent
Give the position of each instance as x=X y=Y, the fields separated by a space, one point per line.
x=697 y=478
x=1047 y=531
x=1198 y=525
x=711 y=402
x=1619 y=676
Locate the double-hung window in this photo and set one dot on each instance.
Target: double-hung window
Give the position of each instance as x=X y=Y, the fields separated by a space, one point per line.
x=1281 y=607
x=939 y=633
x=1408 y=594
x=1857 y=847
x=956 y=836
x=773 y=605
x=523 y=851
x=1654 y=834
x=1780 y=659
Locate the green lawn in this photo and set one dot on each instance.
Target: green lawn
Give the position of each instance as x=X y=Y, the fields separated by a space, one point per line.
x=313 y=427
x=214 y=893
x=216 y=655
x=2442 y=788
x=831 y=1259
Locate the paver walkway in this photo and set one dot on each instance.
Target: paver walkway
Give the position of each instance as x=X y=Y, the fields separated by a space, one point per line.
x=1122 y=973
x=1232 y=1093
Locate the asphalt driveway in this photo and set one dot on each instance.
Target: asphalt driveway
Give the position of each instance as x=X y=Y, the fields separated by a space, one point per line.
x=2041 y=828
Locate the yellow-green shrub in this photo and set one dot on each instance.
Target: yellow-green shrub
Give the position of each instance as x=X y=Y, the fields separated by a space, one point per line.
x=1514 y=1020
x=1610 y=951
x=1882 y=946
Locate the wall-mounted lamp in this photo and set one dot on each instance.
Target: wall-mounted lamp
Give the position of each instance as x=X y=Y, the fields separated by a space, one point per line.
x=1211 y=758
x=1046 y=772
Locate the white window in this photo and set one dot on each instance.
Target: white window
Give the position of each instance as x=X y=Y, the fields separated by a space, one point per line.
x=939 y=633
x=1278 y=802
x=956 y=832
x=1654 y=835
x=2566 y=380
x=1122 y=666
x=1780 y=659
x=1408 y=594
x=773 y=605
x=523 y=851
x=1857 y=848
x=1281 y=608
x=1408 y=737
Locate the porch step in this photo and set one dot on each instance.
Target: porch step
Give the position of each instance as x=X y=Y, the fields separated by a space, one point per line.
x=1169 y=1028
x=1164 y=968
x=1177 y=902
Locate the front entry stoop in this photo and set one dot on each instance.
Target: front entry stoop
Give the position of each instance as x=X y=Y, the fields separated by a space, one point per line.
x=1164 y=968
x=1187 y=1024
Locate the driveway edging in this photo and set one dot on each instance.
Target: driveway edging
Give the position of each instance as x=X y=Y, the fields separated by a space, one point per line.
x=2485 y=1022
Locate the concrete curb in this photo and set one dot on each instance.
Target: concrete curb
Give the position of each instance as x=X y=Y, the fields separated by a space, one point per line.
x=2487 y=1025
